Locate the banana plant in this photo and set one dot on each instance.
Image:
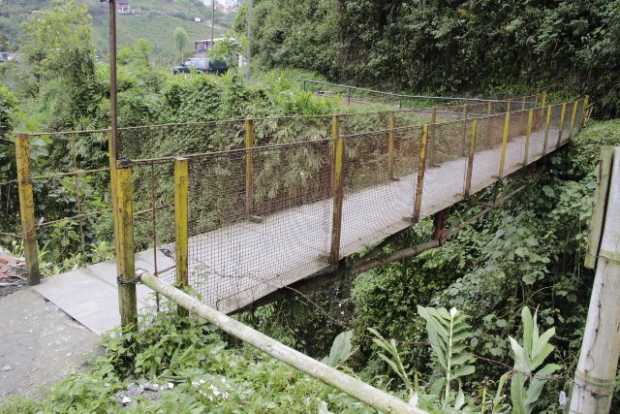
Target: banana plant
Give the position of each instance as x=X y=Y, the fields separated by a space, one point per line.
x=448 y=333
x=527 y=359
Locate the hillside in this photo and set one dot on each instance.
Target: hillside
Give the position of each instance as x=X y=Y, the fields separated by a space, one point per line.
x=154 y=20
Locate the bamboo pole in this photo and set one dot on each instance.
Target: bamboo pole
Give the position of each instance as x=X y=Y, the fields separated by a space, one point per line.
x=562 y=119
x=504 y=149
x=125 y=247
x=26 y=209
x=470 y=157
x=249 y=166
x=431 y=137
x=419 y=190
x=603 y=174
x=181 y=215
x=331 y=376
x=338 y=199
x=598 y=360
x=528 y=136
x=547 y=126
x=586 y=104
x=391 y=138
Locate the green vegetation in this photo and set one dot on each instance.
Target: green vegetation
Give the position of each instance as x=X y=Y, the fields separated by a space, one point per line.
x=151 y=20
x=471 y=46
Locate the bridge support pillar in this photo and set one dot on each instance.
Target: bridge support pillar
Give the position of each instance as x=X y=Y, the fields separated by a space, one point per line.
x=334 y=256
x=419 y=190
x=181 y=215
x=123 y=217
x=26 y=209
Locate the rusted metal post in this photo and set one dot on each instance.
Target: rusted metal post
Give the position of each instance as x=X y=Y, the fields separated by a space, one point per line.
x=573 y=119
x=26 y=209
x=390 y=148
x=547 y=126
x=181 y=214
x=431 y=137
x=125 y=247
x=335 y=133
x=562 y=121
x=249 y=166
x=338 y=199
x=505 y=137
x=440 y=232
x=417 y=203
x=528 y=135
x=470 y=158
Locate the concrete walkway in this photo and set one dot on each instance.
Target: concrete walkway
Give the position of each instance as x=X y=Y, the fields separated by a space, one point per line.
x=39 y=344
x=236 y=265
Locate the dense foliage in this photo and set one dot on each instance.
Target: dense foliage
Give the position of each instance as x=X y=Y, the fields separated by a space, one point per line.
x=448 y=46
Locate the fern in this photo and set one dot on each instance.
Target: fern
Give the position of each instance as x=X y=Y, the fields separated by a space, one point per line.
x=448 y=333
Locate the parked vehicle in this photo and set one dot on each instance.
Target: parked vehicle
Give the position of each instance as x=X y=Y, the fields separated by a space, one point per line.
x=204 y=65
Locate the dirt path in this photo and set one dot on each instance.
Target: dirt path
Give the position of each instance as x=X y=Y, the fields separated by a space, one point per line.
x=39 y=344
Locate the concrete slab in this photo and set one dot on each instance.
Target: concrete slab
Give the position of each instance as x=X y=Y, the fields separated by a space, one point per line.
x=40 y=344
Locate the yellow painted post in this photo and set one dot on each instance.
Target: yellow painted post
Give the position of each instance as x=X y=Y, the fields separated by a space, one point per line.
x=181 y=215
x=470 y=157
x=26 y=209
x=125 y=247
x=417 y=209
x=528 y=136
x=505 y=137
x=573 y=119
x=112 y=158
x=489 y=108
x=249 y=166
x=464 y=140
x=543 y=100
x=391 y=134
x=547 y=126
x=586 y=103
x=562 y=119
x=338 y=199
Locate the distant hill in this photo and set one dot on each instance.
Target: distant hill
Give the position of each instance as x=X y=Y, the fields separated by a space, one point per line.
x=154 y=20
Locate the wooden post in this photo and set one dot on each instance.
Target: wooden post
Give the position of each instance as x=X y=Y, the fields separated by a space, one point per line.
x=573 y=119
x=586 y=103
x=419 y=190
x=528 y=136
x=26 y=209
x=470 y=158
x=505 y=137
x=489 y=108
x=562 y=119
x=352 y=386
x=547 y=126
x=543 y=100
x=338 y=199
x=112 y=158
x=249 y=166
x=595 y=375
x=464 y=140
x=391 y=138
x=125 y=247
x=181 y=215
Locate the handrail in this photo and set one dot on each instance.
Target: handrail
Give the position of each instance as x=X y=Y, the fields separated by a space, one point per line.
x=352 y=386
x=404 y=96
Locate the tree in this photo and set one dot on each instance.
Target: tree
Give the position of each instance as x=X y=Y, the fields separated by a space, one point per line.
x=181 y=38
x=58 y=46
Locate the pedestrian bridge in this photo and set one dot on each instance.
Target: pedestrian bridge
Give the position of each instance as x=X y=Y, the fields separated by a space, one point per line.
x=239 y=209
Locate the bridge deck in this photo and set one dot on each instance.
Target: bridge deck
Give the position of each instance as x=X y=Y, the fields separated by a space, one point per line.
x=231 y=280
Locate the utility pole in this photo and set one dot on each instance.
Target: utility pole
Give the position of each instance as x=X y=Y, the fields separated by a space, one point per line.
x=212 y=23
x=595 y=375
x=248 y=22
